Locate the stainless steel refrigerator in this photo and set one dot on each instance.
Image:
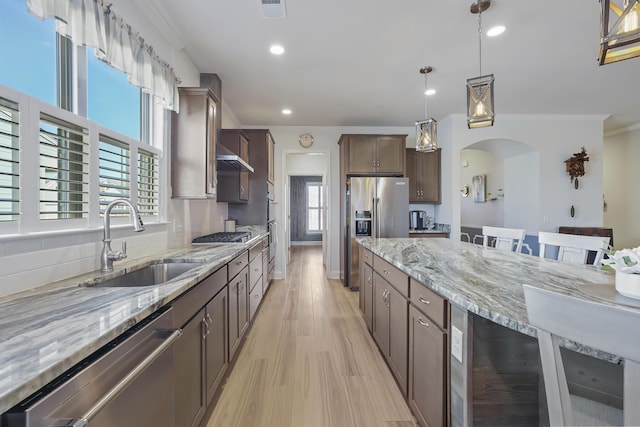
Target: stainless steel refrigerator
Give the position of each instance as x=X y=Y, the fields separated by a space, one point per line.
x=376 y=207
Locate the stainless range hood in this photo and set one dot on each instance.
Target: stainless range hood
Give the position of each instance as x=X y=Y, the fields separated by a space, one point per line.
x=227 y=161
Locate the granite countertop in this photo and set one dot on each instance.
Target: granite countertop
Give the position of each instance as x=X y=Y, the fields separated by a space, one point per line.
x=488 y=282
x=47 y=330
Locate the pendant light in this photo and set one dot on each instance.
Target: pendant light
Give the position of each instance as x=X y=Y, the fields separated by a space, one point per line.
x=480 y=111
x=426 y=130
x=620 y=36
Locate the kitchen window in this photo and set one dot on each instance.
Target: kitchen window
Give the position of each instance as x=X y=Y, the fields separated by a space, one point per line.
x=9 y=161
x=314 y=207
x=106 y=145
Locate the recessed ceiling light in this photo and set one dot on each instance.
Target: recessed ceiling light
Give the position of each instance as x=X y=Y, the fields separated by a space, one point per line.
x=276 y=49
x=496 y=31
x=430 y=92
x=286 y=111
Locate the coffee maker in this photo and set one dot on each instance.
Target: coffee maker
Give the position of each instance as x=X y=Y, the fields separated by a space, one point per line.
x=418 y=220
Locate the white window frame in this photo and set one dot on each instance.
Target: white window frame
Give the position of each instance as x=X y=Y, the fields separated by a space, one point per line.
x=320 y=209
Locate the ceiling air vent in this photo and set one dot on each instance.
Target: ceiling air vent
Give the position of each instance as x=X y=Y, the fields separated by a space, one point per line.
x=273 y=9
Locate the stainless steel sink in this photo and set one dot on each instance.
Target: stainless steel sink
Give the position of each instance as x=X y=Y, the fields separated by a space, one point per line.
x=151 y=275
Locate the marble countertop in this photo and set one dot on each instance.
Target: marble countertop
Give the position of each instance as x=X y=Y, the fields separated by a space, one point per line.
x=488 y=282
x=47 y=330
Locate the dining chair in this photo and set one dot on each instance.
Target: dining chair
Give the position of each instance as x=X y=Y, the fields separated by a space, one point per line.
x=600 y=326
x=504 y=238
x=573 y=249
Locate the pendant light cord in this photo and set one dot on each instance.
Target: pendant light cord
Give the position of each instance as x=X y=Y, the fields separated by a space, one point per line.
x=480 y=40
x=426 y=98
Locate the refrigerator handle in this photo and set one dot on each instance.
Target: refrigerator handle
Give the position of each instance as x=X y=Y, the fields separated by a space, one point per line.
x=376 y=215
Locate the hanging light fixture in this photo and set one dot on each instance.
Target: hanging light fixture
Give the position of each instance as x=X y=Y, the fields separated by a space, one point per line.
x=426 y=130
x=480 y=112
x=620 y=36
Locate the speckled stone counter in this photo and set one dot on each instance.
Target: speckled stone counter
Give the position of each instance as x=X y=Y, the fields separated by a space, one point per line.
x=488 y=282
x=48 y=330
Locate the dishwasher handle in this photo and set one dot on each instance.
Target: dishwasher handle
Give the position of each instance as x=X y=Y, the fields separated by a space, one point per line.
x=124 y=382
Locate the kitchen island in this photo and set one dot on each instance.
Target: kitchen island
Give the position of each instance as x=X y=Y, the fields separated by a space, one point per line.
x=495 y=379
x=50 y=329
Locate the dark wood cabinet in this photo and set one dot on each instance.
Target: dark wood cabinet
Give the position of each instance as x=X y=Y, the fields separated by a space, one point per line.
x=423 y=171
x=366 y=288
x=373 y=154
x=216 y=317
x=428 y=356
x=238 y=310
x=189 y=352
x=233 y=186
x=193 y=145
x=390 y=317
x=255 y=211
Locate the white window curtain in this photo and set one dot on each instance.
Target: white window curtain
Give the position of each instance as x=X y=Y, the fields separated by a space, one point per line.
x=92 y=23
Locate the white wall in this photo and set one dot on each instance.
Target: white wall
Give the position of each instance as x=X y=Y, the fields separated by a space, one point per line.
x=491 y=212
x=522 y=202
x=621 y=178
x=556 y=138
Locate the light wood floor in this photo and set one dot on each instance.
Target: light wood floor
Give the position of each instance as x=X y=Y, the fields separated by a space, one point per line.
x=309 y=360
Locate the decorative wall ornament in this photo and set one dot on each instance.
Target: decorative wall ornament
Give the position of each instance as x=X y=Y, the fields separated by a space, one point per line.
x=478 y=188
x=575 y=165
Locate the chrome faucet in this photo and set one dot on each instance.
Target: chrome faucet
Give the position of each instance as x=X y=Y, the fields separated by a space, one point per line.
x=108 y=256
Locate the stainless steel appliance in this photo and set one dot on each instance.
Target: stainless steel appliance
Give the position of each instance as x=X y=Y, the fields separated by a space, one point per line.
x=129 y=382
x=418 y=220
x=376 y=207
x=223 y=237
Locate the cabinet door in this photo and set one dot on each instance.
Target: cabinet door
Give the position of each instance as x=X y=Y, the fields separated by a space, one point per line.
x=398 y=336
x=366 y=288
x=189 y=353
x=238 y=311
x=212 y=182
x=413 y=174
x=216 y=342
x=427 y=370
x=380 y=327
x=362 y=154
x=431 y=176
x=233 y=331
x=244 y=186
x=390 y=154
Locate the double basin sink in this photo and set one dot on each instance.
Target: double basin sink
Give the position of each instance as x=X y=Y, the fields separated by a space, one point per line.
x=151 y=275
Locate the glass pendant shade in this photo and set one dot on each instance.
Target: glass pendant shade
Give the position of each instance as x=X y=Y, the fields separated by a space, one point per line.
x=480 y=111
x=427 y=135
x=619 y=31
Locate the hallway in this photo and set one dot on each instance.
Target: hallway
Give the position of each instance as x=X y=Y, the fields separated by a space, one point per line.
x=309 y=360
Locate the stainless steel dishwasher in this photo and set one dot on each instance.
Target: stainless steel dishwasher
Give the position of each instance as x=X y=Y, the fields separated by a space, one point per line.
x=128 y=382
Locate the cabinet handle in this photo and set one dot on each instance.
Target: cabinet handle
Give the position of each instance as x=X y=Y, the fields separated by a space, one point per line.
x=424 y=301
x=209 y=320
x=205 y=328
x=422 y=322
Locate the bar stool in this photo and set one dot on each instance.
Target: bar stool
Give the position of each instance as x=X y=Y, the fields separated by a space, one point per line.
x=505 y=238
x=573 y=249
x=599 y=326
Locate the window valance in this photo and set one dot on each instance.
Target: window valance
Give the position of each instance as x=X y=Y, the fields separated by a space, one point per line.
x=92 y=23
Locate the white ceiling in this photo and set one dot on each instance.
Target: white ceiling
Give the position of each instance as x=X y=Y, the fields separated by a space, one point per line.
x=356 y=62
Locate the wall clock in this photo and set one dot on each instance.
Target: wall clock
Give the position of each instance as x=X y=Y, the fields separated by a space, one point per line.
x=305 y=140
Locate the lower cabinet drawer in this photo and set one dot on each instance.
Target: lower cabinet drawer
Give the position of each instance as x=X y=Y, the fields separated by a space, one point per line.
x=255 y=296
x=255 y=271
x=430 y=303
x=237 y=264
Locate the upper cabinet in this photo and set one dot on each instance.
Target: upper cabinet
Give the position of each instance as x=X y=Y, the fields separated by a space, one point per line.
x=256 y=210
x=373 y=154
x=193 y=144
x=423 y=171
x=233 y=186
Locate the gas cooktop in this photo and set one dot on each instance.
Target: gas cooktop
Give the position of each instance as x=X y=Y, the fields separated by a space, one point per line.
x=223 y=237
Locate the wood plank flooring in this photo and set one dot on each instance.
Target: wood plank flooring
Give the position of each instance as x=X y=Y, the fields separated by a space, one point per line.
x=309 y=360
